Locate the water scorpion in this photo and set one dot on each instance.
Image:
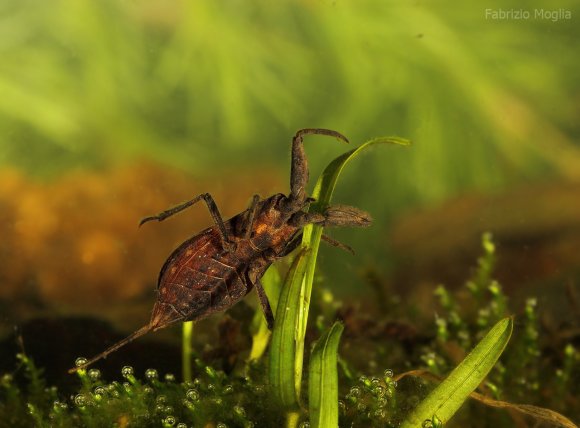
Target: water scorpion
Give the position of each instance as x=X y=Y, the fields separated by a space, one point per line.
x=216 y=268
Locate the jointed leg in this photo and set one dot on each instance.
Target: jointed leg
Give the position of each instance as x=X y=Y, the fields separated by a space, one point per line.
x=334 y=215
x=299 y=166
x=213 y=210
x=265 y=304
x=252 y=215
x=337 y=244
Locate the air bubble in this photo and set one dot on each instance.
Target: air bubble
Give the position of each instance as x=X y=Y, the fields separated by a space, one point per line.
x=181 y=425
x=148 y=390
x=192 y=395
x=169 y=377
x=355 y=391
x=81 y=361
x=80 y=400
x=375 y=381
x=94 y=374
x=389 y=373
x=221 y=425
x=304 y=425
x=100 y=391
x=228 y=389
x=169 y=421
x=188 y=404
x=127 y=371
x=168 y=410
x=59 y=406
x=364 y=380
x=161 y=399
x=379 y=391
x=151 y=374
x=239 y=410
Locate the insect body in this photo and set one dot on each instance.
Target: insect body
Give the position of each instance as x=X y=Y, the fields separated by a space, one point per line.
x=216 y=268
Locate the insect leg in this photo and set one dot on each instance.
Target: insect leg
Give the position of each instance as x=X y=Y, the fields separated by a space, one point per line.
x=213 y=210
x=334 y=215
x=250 y=221
x=265 y=304
x=299 y=166
x=337 y=244
x=292 y=245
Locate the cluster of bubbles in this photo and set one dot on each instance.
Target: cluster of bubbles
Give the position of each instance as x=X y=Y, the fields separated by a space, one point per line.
x=372 y=398
x=204 y=398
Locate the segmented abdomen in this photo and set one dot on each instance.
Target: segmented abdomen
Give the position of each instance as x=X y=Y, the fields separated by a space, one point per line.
x=200 y=278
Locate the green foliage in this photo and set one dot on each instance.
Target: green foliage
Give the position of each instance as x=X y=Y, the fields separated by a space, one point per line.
x=323 y=379
x=186 y=351
x=285 y=377
x=442 y=403
x=288 y=338
x=95 y=82
x=524 y=374
x=210 y=397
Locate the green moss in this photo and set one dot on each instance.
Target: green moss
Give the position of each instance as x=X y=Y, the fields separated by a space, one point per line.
x=533 y=370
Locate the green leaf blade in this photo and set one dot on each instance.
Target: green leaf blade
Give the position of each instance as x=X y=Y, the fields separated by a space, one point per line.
x=323 y=379
x=312 y=234
x=448 y=396
x=283 y=382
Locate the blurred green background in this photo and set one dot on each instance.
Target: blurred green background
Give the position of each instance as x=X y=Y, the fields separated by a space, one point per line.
x=206 y=86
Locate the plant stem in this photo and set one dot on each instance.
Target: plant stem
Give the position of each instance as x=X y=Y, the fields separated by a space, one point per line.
x=292 y=419
x=186 y=350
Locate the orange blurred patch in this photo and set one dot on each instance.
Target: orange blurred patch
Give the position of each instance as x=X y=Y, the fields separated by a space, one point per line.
x=74 y=244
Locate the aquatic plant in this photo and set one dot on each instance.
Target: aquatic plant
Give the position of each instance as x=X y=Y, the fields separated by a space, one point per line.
x=271 y=394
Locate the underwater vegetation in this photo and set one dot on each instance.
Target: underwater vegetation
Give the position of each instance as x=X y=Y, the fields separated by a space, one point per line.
x=390 y=386
x=111 y=110
x=487 y=102
x=377 y=393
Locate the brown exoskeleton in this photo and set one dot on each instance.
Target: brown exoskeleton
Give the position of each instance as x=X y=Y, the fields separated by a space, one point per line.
x=216 y=268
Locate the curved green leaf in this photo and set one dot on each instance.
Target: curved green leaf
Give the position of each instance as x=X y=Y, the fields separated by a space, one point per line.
x=322 y=192
x=442 y=403
x=323 y=379
x=285 y=385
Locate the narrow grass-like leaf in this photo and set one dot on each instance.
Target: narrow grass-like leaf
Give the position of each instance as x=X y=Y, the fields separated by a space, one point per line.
x=186 y=334
x=272 y=283
x=322 y=192
x=323 y=380
x=285 y=386
x=447 y=397
x=548 y=416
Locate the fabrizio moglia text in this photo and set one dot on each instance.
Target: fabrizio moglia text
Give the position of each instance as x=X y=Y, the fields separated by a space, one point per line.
x=553 y=15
